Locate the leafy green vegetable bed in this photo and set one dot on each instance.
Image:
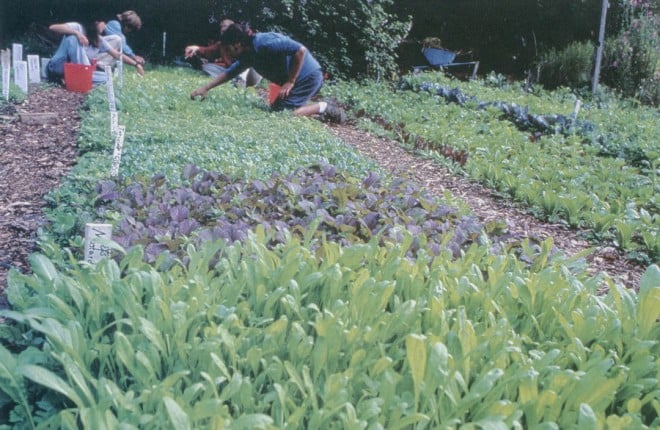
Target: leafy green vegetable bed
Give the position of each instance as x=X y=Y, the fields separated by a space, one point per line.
x=388 y=310
x=601 y=174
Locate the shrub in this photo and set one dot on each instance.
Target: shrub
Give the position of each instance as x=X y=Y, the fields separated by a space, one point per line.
x=571 y=66
x=350 y=38
x=632 y=58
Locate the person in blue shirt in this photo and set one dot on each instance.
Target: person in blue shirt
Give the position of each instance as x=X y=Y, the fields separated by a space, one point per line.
x=125 y=23
x=281 y=60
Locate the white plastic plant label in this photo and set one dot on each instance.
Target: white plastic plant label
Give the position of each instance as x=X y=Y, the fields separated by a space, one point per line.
x=5 y=56
x=17 y=53
x=111 y=89
x=34 y=69
x=20 y=75
x=95 y=235
x=44 y=64
x=6 y=71
x=116 y=155
x=120 y=67
x=114 y=122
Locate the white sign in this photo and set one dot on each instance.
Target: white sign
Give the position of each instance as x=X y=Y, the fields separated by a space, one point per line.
x=5 y=82
x=34 y=72
x=578 y=105
x=120 y=66
x=116 y=155
x=20 y=75
x=114 y=122
x=5 y=54
x=95 y=235
x=17 y=52
x=111 y=89
x=44 y=70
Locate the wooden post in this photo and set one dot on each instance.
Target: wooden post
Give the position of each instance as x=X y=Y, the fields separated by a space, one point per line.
x=599 y=46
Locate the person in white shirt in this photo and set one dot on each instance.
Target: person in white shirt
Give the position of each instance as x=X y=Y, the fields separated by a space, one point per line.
x=84 y=45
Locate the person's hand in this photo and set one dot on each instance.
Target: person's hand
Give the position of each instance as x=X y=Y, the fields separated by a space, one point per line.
x=285 y=90
x=190 y=51
x=199 y=92
x=82 y=39
x=140 y=60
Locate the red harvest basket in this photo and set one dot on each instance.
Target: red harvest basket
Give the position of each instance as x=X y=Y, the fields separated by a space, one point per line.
x=78 y=77
x=273 y=92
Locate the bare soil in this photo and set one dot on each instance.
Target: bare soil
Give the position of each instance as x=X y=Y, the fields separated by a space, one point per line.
x=35 y=156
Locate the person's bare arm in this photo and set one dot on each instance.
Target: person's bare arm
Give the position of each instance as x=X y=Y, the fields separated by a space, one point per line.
x=203 y=91
x=296 y=65
x=66 y=29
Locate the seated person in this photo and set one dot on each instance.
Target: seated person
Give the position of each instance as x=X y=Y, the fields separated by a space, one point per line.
x=82 y=45
x=125 y=23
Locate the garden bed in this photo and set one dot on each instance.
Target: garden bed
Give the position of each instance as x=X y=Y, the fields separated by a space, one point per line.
x=36 y=156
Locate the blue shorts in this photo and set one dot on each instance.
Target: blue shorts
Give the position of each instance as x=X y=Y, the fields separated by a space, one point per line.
x=301 y=93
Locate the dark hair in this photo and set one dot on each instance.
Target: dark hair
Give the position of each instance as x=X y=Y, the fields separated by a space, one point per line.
x=92 y=33
x=130 y=20
x=236 y=33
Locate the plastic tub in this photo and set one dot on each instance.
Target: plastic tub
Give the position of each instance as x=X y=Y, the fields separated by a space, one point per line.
x=78 y=77
x=273 y=92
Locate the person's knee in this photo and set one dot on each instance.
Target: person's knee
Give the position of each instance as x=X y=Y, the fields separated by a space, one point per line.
x=72 y=41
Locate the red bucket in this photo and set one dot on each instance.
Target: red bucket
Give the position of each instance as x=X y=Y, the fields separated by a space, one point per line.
x=273 y=92
x=78 y=77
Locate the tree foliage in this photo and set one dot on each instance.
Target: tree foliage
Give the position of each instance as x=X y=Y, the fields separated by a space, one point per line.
x=351 y=38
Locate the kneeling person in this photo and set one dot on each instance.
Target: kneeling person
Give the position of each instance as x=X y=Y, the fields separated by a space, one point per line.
x=282 y=61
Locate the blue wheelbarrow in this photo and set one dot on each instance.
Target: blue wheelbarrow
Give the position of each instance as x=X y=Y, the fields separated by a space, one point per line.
x=439 y=58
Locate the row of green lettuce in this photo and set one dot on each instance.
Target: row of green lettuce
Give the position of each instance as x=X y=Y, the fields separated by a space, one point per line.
x=601 y=175
x=302 y=331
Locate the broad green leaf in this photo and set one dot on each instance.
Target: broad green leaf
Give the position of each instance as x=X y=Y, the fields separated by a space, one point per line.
x=75 y=373
x=43 y=267
x=491 y=424
x=251 y=421
x=48 y=379
x=410 y=421
x=649 y=300
x=10 y=382
x=153 y=334
x=416 y=355
x=587 y=419
x=204 y=409
x=177 y=415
